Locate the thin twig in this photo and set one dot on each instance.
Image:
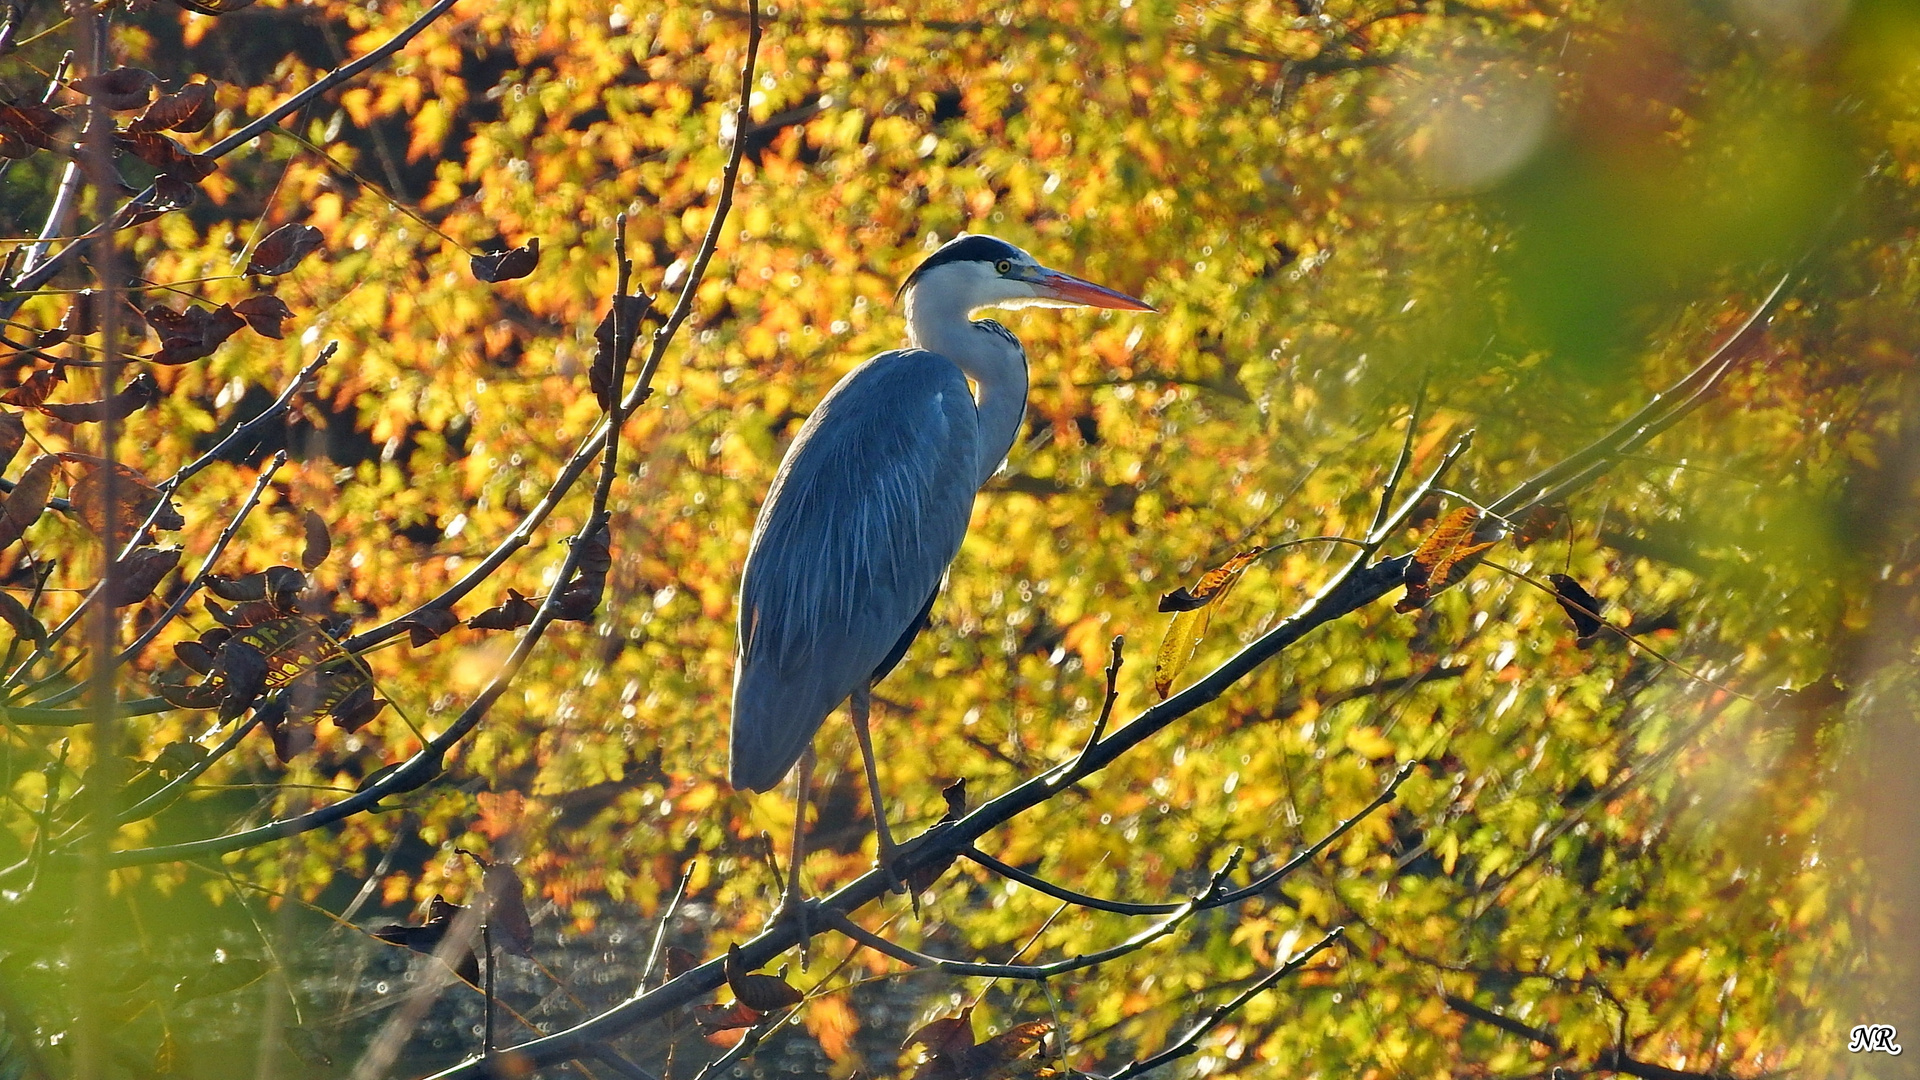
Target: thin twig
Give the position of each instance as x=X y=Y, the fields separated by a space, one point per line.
x=1061 y=892
x=1281 y=873
x=1180 y=914
x=1657 y=415
x=1113 y=694
x=1400 y=463
x=1190 y=1042
x=219 y=548
x=666 y=917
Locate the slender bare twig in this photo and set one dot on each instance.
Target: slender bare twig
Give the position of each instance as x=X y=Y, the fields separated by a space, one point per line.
x=219 y=548
x=1399 y=470
x=1273 y=877
x=666 y=917
x=1660 y=413
x=1113 y=694
x=1180 y=914
x=1061 y=892
x=1190 y=1042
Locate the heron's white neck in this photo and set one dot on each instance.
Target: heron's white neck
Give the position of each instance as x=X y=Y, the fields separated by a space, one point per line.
x=997 y=365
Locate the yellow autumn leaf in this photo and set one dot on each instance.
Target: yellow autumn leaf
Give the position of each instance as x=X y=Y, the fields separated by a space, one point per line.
x=1369 y=743
x=1176 y=649
x=1191 y=609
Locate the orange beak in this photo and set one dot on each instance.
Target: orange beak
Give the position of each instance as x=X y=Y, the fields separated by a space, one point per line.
x=1072 y=290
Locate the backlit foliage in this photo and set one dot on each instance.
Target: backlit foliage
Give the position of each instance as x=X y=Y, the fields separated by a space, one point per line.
x=1526 y=217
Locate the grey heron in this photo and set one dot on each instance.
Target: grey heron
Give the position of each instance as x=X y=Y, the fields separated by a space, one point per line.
x=871 y=503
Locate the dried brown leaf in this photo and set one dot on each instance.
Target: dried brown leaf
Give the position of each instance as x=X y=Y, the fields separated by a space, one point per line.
x=32 y=393
x=17 y=616
x=188 y=335
x=169 y=193
x=196 y=655
x=165 y=155
x=122 y=89
x=924 y=878
x=133 y=498
x=762 y=993
x=508 y=265
x=283 y=249
x=268 y=315
x=319 y=544
x=243 y=678
x=188 y=109
x=357 y=709
x=35 y=122
x=13 y=435
x=1448 y=555
x=729 y=1017
x=507 y=911
x=511 y=614
x=12 y=145
x=28 y=499
x=1579 y=604
x=946 y=1036
x=140 y=573
x=429 y=624
x=631 y=310
x=426 y=937
x=1213 y=585
x=136 y=395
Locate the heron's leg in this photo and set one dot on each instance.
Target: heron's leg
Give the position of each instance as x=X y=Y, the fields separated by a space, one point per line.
x=792 y=903
x=861 y=705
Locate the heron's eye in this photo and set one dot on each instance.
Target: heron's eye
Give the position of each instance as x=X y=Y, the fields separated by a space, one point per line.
x=1003 y=266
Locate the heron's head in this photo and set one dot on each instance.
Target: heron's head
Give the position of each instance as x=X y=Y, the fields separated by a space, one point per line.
x=973 y=272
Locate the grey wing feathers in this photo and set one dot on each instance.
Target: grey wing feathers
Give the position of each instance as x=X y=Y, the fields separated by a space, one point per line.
x=868 y=508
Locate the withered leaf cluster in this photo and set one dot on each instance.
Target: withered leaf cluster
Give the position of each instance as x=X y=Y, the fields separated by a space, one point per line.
x=274 y=653
x=505 y=916
x=577 y=601
x=952 y=1053
x=114 y=500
